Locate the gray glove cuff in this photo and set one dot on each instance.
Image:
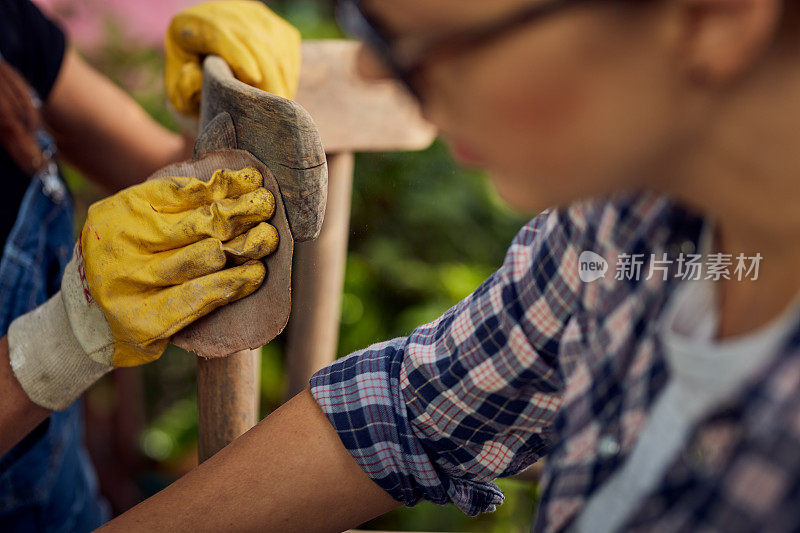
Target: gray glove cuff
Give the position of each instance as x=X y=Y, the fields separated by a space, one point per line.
x=47 y=359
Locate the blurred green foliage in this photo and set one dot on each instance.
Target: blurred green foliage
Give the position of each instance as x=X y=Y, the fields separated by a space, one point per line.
x=424 y=234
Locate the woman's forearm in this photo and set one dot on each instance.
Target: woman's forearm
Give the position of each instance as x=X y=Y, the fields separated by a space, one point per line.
x=101 y=130
x=289 y=473
x=18 y=414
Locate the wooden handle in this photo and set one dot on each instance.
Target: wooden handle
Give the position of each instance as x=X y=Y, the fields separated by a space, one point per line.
x=227 y=399
x=281 y=134
x=319 y=282
x=282 y=137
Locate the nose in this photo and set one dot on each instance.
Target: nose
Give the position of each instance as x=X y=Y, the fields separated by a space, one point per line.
x=370 y=67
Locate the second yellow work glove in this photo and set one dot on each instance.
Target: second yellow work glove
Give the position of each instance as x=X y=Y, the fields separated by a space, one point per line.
x=262 y=49
x=150 y=260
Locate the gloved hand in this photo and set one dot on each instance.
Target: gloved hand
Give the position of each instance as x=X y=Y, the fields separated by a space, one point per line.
x=150 y=260
x=262 y=49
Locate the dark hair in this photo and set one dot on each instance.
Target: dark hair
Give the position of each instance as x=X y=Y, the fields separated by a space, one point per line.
x=19 y=120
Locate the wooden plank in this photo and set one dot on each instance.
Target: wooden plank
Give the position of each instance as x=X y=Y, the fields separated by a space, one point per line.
x=352 y=114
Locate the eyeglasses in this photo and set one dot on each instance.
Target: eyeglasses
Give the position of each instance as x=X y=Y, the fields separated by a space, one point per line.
x=406 y=58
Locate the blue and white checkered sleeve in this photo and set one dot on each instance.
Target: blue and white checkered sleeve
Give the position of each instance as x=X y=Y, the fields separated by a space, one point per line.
x=469 y=397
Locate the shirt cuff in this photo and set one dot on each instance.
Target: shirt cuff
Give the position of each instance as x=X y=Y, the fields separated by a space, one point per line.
x=361 y=396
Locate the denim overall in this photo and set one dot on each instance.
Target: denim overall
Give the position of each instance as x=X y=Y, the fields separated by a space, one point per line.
x=46 y=481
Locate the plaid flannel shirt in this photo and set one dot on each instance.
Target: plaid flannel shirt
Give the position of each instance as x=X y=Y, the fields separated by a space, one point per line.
x=536 y=362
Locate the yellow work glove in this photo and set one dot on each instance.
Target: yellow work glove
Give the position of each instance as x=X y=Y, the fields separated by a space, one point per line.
x=262 y=49
x=150 y=260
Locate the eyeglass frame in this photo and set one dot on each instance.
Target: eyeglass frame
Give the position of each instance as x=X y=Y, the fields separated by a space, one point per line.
x=359 y=25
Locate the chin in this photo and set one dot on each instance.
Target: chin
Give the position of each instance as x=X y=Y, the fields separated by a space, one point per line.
x=524 y=195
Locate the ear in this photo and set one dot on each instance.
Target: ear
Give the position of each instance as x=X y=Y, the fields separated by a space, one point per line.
x=722 y=38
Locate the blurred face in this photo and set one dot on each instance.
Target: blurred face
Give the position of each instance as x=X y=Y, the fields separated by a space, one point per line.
x=576 y=104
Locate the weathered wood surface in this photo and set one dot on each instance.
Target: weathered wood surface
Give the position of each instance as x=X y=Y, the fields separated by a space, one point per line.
x=257 y=319
x=353 y=114
x=281 y=134
x=218 y=134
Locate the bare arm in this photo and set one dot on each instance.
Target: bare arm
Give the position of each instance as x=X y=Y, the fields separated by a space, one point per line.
x=289 y=473
x=18 y=414
x=106 y=134
x=103 y=131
